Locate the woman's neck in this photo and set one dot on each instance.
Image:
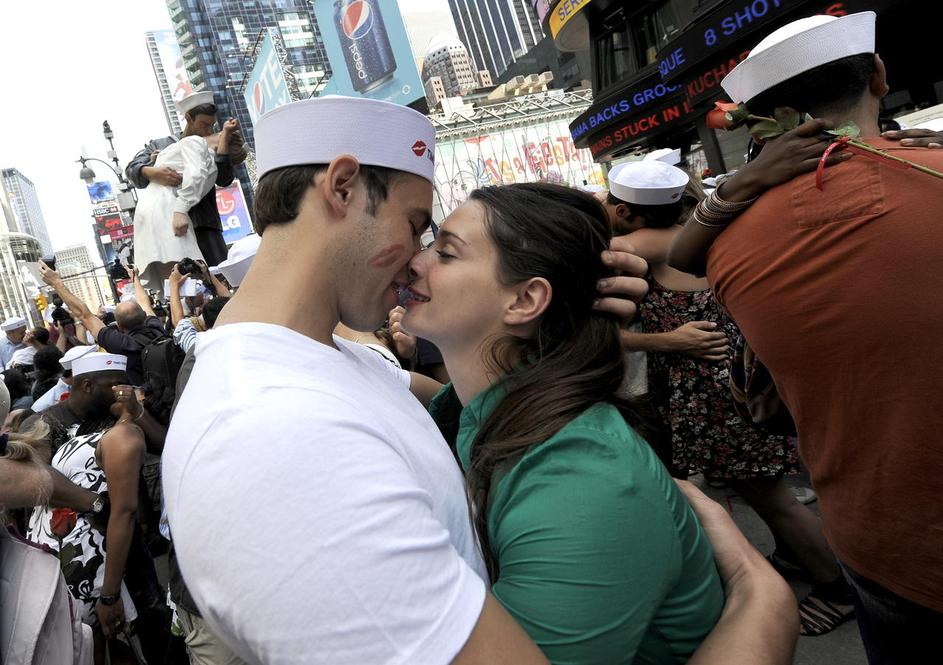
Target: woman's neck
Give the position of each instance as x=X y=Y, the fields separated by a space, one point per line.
x=468 y=372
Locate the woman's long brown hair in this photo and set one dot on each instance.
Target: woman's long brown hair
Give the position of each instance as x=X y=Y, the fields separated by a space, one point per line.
x=575 y=360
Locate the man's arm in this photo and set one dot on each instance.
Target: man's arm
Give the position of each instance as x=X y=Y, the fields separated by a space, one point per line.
x=176 y=307
x=154 y=432
x=140 y=293
x=141 y=171
x=498 y=640
x=78 y=308
x=760 y=620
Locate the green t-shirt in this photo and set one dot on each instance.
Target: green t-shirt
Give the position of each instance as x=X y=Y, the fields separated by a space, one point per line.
x=601 y=558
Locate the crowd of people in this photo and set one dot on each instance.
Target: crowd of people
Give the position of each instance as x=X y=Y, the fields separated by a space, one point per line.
x=363 y=438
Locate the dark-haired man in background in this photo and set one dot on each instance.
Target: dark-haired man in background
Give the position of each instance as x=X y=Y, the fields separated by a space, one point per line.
x=200 y=113
x=838 y=292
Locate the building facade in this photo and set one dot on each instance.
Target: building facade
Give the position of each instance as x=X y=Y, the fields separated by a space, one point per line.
x=216 y=37
x=447 y=60
x=496 y=33
x=163 y=81
x=24 y=204
x=77 y=271
x=657 y=66
x=18 y=282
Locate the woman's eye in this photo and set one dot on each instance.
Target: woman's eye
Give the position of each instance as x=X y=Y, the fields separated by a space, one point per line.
x=443 y=255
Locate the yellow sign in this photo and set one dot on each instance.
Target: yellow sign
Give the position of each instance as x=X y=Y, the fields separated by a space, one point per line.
x=563 y=12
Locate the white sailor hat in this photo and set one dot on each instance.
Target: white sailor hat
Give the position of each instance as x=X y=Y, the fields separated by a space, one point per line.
x=237 y=263
x=13 y=323
x=193 y=100
x=74 y=354
x=591 y=189
x=798 y=47
x=99 y=362
x=666 y=155
x=650 y=182
x=316 y=131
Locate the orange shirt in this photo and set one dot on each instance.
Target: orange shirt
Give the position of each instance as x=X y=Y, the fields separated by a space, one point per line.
x=840 y=293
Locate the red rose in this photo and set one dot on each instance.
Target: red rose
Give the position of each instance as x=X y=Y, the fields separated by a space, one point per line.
x=63 y=521
x=724 y=115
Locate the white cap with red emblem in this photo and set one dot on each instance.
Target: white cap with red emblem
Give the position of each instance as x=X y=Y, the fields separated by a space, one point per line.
x=99 y=362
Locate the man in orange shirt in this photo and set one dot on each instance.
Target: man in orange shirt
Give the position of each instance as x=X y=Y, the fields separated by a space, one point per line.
x=839 y=293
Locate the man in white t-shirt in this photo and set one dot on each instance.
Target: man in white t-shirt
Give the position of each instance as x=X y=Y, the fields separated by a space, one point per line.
x=317 y=514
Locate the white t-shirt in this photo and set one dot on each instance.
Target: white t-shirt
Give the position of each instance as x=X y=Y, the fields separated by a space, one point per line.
x=51 y=397
x=317 y=513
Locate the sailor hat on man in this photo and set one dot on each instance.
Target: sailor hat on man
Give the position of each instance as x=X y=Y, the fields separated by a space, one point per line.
x=798 y=47
x=648 y=182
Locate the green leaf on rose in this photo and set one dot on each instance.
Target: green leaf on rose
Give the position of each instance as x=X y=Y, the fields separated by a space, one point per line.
x=847 y=128
x=766 y=129
x=787 y=118
x=739 y=114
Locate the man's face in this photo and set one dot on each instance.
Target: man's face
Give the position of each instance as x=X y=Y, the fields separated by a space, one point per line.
x=385 y=243
x=202 y=124
x=16 y=336
x=101 y=395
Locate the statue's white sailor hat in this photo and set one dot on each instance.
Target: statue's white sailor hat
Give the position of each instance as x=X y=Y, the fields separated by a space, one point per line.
x=316 y=131
x=193 y=100
x=13 y=323
x=666 y=155
x=648 y=182
x=798 y=47
x=99 y=362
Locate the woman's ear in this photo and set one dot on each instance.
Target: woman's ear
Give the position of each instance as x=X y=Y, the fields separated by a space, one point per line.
x=533 y=299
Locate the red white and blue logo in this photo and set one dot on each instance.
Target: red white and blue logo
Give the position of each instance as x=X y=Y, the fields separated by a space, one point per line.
x=357 y=19
x=258 y=99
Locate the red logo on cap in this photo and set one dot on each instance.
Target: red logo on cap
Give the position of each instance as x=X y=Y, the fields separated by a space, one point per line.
x=419 y=147
x=108 y=362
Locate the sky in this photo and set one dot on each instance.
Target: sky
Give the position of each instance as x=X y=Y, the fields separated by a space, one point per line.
x=67 y=66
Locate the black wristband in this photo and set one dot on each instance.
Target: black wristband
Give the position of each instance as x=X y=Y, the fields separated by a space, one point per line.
x=109 y=600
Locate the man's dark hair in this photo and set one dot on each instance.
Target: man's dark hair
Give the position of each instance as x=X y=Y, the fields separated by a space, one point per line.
x=832 y=87
x=17 y=384
x=202 y=109
x=279 y=193
x=41 y=335
x=46 y=361
x=212 y=309
x=656 y=217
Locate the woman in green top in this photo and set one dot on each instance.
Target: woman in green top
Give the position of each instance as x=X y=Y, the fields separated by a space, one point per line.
x=588 y=541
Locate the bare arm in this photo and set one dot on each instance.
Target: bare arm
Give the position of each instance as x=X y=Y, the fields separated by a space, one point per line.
x=698 y=339
x=219 y=288
x=760 y=621
x=154 y=432
x=652 y=245
x=423 y=388
x=176 y=307
x=62 y=339
x=140 y=293
x=498 y=640
x=78 y=308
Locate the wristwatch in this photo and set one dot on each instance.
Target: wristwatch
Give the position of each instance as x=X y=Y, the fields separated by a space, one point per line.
x=109 y=600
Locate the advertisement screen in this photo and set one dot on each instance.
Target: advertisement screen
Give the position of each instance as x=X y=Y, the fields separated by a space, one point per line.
x=233 y=212
x=170 y=59
x=100 y=191
x=266 y=87
x=369 y=50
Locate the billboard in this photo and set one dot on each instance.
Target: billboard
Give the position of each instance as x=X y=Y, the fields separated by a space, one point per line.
x=266 y=87
x=233 y=212
x=100 y=191
x=174 y=71
x=367 y=45
x=542 y=151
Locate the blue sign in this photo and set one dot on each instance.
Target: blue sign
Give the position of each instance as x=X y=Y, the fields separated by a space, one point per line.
x=100 y=191
x=233 y=213
x=266 y=87
x=367 y=45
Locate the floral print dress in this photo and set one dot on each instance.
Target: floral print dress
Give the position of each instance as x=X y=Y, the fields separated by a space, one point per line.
x=693 y=397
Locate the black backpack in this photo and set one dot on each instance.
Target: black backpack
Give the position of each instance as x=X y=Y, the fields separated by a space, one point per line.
x=161 y=359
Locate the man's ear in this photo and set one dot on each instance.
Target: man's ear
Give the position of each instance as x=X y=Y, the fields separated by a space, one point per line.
x=533 y=298
x=622 y=211
x=338 y=183
x=878 y=83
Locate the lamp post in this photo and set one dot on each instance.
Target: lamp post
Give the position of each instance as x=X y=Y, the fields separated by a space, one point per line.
x=127 y=196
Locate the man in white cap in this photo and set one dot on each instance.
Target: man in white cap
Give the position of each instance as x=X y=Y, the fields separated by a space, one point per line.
x=646 y=190
x=381 y=564
x=237 y=262
x=14 y=330
x=837 y=292
x=199 y=110
x=60 y=391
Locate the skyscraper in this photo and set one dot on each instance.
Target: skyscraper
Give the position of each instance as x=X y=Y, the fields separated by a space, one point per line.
x=75 y=267
x=217 y=36
x=496 y=32
x=160 y=65
x=447 y=59
x=21 y=197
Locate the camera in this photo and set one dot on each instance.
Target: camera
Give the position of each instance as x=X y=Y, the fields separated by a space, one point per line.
x=50 y=260
x=187 y=266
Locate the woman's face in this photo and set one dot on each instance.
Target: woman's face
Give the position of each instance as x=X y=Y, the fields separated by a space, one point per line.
x=457 y=300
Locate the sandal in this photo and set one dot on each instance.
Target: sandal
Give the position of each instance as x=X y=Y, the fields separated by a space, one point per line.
x=821 y=613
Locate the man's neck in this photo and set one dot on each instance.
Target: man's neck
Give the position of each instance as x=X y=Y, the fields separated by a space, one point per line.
x=286 y=288
x=865 y=118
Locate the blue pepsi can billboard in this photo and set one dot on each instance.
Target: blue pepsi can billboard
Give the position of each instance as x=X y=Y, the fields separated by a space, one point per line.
x=367 y=49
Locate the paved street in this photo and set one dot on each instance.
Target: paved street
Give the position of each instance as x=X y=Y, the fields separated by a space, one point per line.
x=840 y=647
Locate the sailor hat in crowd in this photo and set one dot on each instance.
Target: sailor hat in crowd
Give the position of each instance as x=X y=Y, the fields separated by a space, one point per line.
x=666 y=155
x=13 y=323
x=193 y=100
x=99 y=362
x=74 y=354
x=316 y=131
x=591 y=189
x=237 y=262
x=648 y=182
x=798 y=47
